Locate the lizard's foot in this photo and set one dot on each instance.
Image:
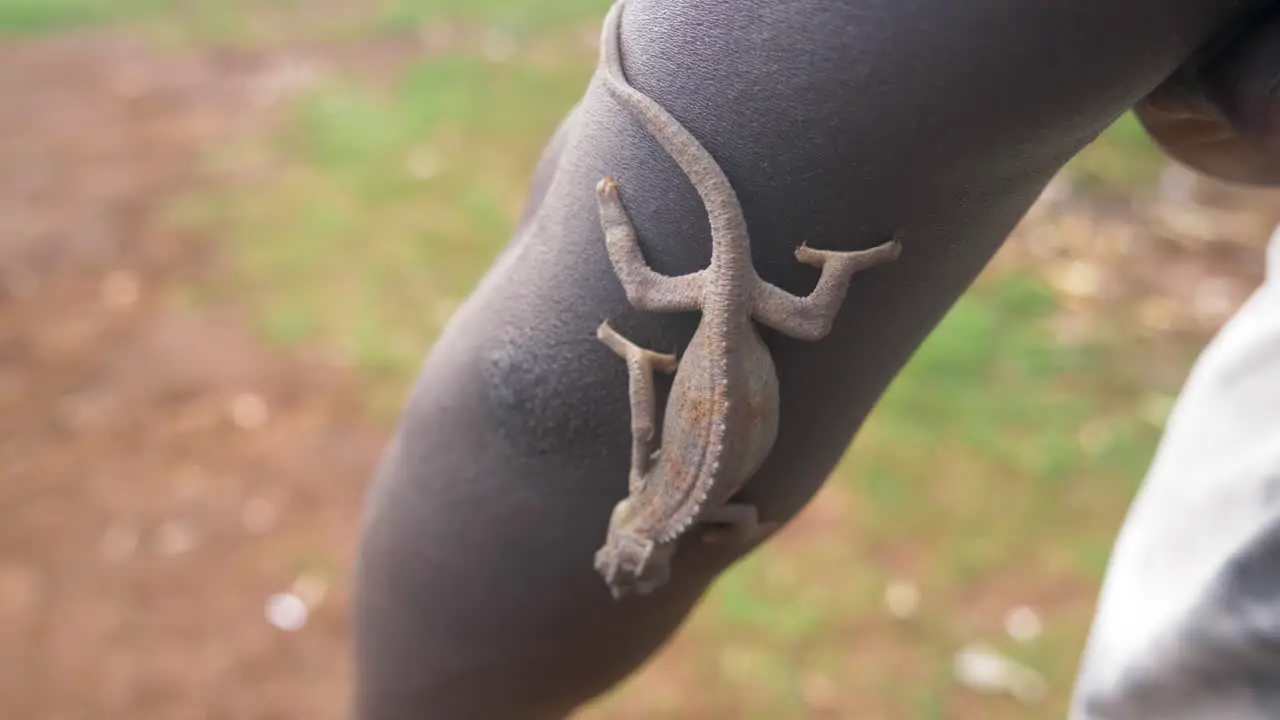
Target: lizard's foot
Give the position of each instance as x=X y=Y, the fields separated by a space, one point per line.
x=811 y=317
x=645 y=289
x=739 y=524
x=641 y=364
x=607 y=189
x=662 y=362
x=849 y=261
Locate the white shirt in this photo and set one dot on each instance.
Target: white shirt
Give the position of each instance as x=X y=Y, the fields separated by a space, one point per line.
x=1188 y=622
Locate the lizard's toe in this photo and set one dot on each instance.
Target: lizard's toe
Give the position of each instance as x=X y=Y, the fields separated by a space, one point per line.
x=810 y=256
x=607 y=187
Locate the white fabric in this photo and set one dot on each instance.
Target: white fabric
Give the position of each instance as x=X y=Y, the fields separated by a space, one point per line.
x=1188 y=622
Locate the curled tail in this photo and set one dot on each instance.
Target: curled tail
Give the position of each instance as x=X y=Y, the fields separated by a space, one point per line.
x=708 y=179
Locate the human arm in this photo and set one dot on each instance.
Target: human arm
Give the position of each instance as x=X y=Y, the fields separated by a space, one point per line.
x=1219 y=113
x=838 y=124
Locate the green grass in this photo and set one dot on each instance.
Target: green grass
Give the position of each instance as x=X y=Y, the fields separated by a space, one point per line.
x=379 y=211
x=178 y=22
x=24 y=17
x=521 y=16
x=257 y=23
x=1123 y=160
x=383 y=210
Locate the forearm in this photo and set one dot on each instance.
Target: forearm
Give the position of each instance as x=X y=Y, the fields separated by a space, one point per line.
x=838 y=124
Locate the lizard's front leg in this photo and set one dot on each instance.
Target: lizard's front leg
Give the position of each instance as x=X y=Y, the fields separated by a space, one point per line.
x=646 y=289
x=640 y=366
x=741 y=524
x=810 y=317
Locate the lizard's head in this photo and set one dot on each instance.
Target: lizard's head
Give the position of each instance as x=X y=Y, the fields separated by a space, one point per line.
x=630 y=562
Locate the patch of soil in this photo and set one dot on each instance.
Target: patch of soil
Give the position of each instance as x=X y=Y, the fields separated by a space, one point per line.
x=161 y=474
x=1175 y=266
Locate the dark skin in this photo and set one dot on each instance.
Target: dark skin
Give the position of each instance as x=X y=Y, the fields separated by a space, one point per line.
x=1220 y=113
x=838 y=123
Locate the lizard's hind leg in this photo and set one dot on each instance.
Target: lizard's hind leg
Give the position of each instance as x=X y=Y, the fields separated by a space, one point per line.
x=810 y=317
x=641 y=364
x=646 y=289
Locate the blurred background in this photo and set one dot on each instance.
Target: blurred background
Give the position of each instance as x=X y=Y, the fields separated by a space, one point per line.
x=231 y=229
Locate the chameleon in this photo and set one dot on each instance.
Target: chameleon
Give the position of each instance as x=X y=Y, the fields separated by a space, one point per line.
x=721 y=416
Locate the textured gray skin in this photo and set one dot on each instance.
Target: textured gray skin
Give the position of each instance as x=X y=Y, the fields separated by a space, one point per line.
x=837 y=122
x=721 y=418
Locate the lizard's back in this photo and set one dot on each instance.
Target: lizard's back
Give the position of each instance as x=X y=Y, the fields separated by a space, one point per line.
x=709 y=448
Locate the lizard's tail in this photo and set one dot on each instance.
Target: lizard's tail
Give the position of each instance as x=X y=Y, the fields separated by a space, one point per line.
x=705 y=174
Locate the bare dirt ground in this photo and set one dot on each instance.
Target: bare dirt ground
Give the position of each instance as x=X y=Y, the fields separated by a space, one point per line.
x=163 y=474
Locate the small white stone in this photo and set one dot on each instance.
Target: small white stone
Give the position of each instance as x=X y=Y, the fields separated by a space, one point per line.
x=120 y=289
x=902 y=598
x=979 y=667
x=983 y=669
x=286 y=611
x=1023 y=624
x=249 y=411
